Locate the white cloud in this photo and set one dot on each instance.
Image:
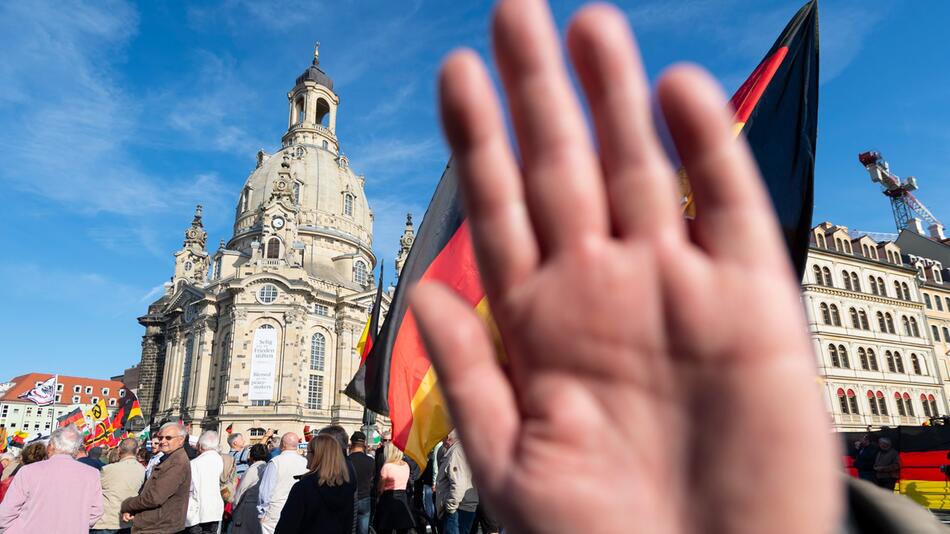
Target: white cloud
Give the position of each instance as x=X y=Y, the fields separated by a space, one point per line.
x=382 y=158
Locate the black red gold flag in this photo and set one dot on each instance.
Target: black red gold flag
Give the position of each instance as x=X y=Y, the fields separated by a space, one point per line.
x=129 y=409
x=356 y=389
x=777 y=111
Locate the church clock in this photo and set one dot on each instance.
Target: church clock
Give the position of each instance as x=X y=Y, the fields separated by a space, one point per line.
x=277 y=222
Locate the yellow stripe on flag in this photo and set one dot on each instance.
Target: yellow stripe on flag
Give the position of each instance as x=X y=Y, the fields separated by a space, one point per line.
x=362 y=342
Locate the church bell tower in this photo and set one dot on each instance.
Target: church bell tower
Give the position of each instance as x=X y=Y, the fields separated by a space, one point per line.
x=312 y=112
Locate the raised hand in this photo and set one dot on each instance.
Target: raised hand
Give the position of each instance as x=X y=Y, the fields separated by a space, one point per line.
x=660 y=378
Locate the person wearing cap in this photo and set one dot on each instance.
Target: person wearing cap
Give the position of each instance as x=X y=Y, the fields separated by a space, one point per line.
x=365 y=467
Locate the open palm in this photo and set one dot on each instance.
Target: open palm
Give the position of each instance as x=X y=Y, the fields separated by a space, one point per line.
x=659 y=377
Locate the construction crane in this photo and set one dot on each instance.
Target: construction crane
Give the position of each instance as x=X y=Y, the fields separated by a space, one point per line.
x=903 y=202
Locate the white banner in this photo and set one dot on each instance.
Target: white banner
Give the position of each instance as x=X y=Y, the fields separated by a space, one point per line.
x=263 y=363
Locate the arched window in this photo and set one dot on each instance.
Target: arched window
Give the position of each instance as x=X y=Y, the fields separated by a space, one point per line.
x=948 y=303
x=863 y=357
x=866 y=250
x=348 y=205
x=872 y=403
x=873 y=283
x=296 y=192
x=820 y=239
x=273 y=248
x=906 y=322
x=186 y=369
x=843 y=354
x=937 y=277
x=935 y=332
x=890 y=323
x=826 y=272
x=939 y=303
x=927 y=301
x=914 y=329
x=842 y=401
x=864 y=320
x=905 y=290
x=946 y=334
x=889 y=358
x=855 y=282
x=816 y=270
x=933 y=406
x=245 y=199
x=925 y=404
x=882 y=289
x=909 y=405
x=897 y=289
x=872 y=359
x=847 y=247
x=899 y=360
x=881 y=322
x=835 y=316
x=915 y=364
x=853 y=402
x=318 y=348
x=322 y=112
x=301 y=109
x=847 y=280
x=855 y=321
x=882 y=403
x=901 y=411
x=833 y=352
x=359 y=273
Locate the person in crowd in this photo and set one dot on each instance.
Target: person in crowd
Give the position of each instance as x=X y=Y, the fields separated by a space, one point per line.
x=393 y=514
x=113 y=455
x=323 y=499
x=57 y=495
x=143 y=456
x=887 y=464
x=157 y=455
x=379 y=457
x=338 y=433
x=279 y=476
x=8 y=462
x=239 y=450
x=93 y=458
x=364 y=468
x=865 y=455
x=5 y=460
x=32 y=453
x=273 y=445
x=229 y=481
x=425 y=494
x=120 y=480
x=455 y=497
x=485 y=522
x=162 y=505
x=205 y=506
x=244 y=517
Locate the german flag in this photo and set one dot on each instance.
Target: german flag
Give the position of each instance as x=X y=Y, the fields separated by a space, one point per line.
x=776 y=109
x=356 y=389
x=74 y=417
x=129 y=409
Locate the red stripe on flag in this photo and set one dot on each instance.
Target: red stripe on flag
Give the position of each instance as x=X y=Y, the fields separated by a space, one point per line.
x=750 y=92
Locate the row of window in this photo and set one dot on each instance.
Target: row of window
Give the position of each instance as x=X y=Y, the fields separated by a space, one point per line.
x=937 y=301
x=848 y=402
x=868 y=360
x=349 y=199
x=851 y=281
x=859 y=320
x=843 y=245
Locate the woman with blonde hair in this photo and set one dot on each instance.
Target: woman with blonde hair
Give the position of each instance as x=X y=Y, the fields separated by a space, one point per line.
x=323 y=499
x=393 y=514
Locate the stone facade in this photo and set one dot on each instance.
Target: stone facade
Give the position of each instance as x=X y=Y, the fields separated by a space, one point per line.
x=870 y=332
x=268 y=338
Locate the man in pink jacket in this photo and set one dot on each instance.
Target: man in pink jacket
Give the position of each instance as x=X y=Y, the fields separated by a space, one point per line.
x=56 y=495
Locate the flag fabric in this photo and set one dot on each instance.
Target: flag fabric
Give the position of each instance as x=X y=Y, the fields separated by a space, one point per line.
x=3 y=439
x=356 y=389
x=230 y=428
x=129 y=409
x=43 y=394
x=776 y=109
x=18 y=438
x=74 y=417
x=98 y=412
x=146 y=433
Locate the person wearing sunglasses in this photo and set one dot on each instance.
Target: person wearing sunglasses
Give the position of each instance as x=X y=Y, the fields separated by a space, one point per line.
x=162 y=504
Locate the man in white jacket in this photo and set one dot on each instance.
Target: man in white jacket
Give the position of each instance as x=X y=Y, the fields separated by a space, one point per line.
x=205 y=505
x=277 y=480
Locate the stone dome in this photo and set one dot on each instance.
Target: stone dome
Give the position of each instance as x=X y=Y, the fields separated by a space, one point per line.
x=315 y=74
x=334 y=214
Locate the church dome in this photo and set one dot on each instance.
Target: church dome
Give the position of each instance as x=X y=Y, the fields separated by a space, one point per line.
x=315 y=74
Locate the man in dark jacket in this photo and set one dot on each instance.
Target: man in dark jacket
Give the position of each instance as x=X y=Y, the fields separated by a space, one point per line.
x=887 y=465
x=864 y=458
x=162 y=504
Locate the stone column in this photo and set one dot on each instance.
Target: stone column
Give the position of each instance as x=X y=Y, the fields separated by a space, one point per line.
x=151 y=368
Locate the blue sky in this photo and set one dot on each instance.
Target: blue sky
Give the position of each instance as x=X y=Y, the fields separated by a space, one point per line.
x=116 y=118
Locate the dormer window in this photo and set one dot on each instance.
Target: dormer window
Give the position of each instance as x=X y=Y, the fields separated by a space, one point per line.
x=348 y=204
x=820 y=240
x=245 y=199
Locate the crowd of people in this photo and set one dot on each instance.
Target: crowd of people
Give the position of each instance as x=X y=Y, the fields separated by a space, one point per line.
x=176 y=482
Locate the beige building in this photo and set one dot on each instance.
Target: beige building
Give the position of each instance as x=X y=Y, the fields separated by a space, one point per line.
x=869 y=330
x=262 y=332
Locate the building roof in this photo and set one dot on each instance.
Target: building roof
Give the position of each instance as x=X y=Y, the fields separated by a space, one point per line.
x=315 y=74
x=913 y=243
x=24 y=383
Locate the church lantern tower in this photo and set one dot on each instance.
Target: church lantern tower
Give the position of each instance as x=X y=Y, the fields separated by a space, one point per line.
x=313 y=106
